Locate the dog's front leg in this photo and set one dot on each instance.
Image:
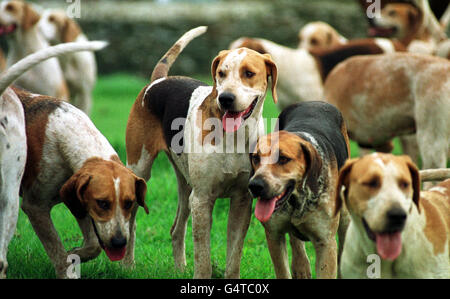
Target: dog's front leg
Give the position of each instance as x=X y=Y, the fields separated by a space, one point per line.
x=279 y=255
x=128 y=260
x=326 y=261
x=238 y=222
x=91 y=248
x=39 y=216
x=301 y=268
x=201 y=209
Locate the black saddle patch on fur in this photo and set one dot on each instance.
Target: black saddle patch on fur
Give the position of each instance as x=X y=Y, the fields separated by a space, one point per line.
x=169 y=100
x=323 y=122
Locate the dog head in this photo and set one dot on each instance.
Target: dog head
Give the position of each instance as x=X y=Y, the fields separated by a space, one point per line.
x=107 y=192
x=16 y=15
x=319 y=35
x=282 y=163
x=241 y=80
x=57 y=27
x=380 y=190
x=397 y=20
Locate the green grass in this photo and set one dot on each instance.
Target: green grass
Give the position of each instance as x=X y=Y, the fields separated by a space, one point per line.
x=113 y=98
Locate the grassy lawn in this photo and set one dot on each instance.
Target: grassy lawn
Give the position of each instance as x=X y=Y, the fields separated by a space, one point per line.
x=114 y=97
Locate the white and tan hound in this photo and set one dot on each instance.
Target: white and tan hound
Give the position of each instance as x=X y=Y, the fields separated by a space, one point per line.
x=80 y=68
x=319 y=35
x=18 y=22
x=205 y=170
x=408 y=229
x=384 y=96
x=13 y=141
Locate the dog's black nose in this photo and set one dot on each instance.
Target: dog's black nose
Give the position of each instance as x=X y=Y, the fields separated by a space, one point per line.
x=226 y=100
x=396 y=219
x=118 y=242
x=257 y=187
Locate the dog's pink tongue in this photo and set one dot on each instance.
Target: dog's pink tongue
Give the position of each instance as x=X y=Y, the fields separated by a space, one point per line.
x=389 y=246
x=264 y=209
x=231 y=121
x=115 y=254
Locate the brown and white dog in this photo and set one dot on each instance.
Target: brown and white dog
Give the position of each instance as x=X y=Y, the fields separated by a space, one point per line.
x=209 y=164
x=13 y=141
x=408 y=229
x=302 y=73
x=80 y=69
x=319 y=35
x=383 y=96
x=18 y=21
x=295 y=178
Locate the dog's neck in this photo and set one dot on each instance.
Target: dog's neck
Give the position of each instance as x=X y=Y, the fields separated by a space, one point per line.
x=25 y=42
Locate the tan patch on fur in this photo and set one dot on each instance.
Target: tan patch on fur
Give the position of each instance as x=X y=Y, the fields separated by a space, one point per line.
x=37 y=109
x=435 y=229
x=63 y=92
x=253 y=45
x=144 y=129
x=68 y=29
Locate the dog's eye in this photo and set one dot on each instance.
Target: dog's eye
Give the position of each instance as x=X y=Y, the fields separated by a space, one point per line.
x=103 y=204
x=392 y=13
x=221 y=74
x=249 y=74
x=128 y=204
x=9 y=7
x=373 y=183
x=256 y=159
x=283 y=160
x=403 y=184
x=51 y=19
x=314 y=42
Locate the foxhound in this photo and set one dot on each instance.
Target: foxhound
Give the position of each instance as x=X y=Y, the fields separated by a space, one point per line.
x=13 y=141
x=295 y=177
x=384 y=96
x=302 y=73
x=80 y=68
x=404 y=232
x=18 y=22
x=70 y=161
x=207 y=162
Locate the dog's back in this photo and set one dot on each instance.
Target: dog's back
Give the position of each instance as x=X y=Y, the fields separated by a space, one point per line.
x=321 y=121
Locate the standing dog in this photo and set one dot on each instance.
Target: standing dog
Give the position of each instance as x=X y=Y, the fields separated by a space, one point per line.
x=18 y=21
x=408 y=229
x=13 y=142
x=204 y=169
x=80 y=68
x=383 y=96
x=295 y=177
x=68 y=160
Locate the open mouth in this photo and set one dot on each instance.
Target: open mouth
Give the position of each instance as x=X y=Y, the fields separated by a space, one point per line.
x=232 y=120
x=7 y=29
x=382 y=31
x=114 y=254
x=389 y=244
x=266 y=207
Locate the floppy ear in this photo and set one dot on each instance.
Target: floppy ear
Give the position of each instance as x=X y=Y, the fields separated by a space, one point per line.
x=313 y=167
x=272 y=72
x=216 y=62
x=70 y=30
x=71 y=194
x=415 y=175
x=343 y=181
x=141 y=190
x=30 y=17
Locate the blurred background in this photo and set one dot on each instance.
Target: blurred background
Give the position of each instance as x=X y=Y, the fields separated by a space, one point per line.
x=140 y=32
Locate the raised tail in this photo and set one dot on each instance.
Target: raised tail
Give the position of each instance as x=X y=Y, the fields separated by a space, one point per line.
x=162 y=68
x=16 y=70
x=439 y=174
